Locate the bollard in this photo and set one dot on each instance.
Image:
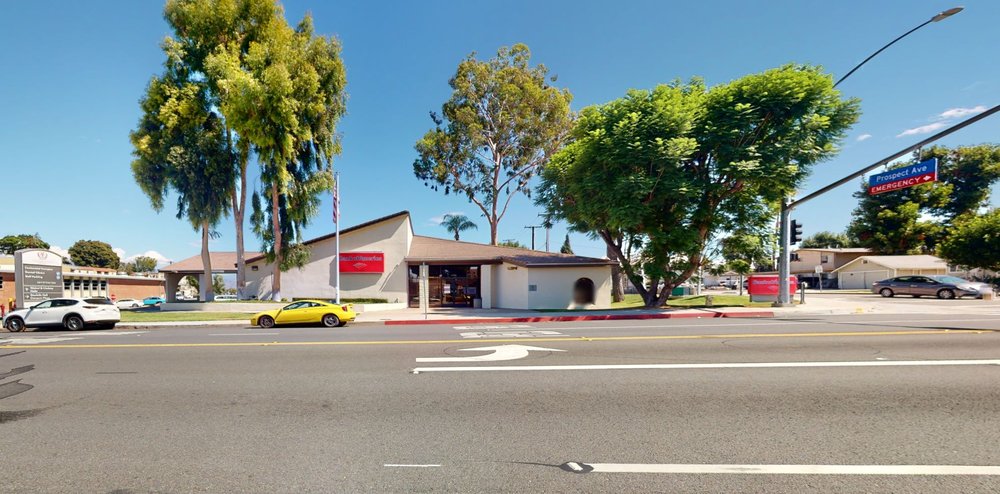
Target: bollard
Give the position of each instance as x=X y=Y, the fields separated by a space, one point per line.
x=709 y=300
x=802 y=293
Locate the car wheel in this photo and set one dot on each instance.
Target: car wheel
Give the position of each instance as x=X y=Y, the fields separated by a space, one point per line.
x=331 y=321
x=135 y=306
x=15 y=325
x=73 y=323
x=885 y=292
x=946 y=294
x=266 y=322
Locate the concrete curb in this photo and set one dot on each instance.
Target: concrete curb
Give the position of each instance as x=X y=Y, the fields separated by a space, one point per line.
x=603 y=317
x=181 y=324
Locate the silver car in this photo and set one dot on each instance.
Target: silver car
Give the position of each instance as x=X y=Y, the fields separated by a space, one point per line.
x=939 y=286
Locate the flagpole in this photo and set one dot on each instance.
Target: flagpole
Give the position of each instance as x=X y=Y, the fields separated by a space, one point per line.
x=336 y=215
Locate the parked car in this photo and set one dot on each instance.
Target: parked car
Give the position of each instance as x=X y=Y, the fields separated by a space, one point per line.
x=70 y=313
x=151 y=301
x=128 y=303
x=306 y=312
x=939 y=286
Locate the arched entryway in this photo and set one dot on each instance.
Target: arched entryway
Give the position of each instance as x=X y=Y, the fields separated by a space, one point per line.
x=583 y=291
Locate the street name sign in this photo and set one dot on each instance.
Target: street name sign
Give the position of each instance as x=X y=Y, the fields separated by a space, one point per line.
x=901 y=178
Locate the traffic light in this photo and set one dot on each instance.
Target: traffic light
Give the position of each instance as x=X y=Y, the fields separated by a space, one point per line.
x=796 y=232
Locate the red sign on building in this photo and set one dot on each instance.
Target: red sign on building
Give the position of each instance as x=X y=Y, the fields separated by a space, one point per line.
x=362 y=262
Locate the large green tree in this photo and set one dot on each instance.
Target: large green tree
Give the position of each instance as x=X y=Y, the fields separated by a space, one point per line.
x=13 y=243
x=974 y=241
x=826 y=240
x=206 y=28
x=94 y=253
x=680 y=163
x=180 y=148
x=503 y=122
x=916 y=219
x=284 y=93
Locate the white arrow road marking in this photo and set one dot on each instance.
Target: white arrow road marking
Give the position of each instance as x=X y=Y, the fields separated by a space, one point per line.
x=785 y=469
x=35 y=341
x=511 y=334
x=401 y=465
x=735 y=365
x=485 y=327
x=501 y=352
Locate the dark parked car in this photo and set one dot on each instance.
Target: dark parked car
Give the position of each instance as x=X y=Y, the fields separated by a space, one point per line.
x=933 y=285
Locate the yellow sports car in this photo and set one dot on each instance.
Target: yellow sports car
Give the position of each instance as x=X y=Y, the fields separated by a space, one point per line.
x=306 y=312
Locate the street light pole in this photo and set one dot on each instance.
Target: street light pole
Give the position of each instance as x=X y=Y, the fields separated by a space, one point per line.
x=784 y=263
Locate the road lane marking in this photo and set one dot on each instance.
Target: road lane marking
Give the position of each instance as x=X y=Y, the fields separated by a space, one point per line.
x=564 y=339
x=726 y=365
x=513 y=334
x=35 y=341
x=501 y=352
x=242 y=334
x=577 y=467
x=485 y=327
x=402 y=465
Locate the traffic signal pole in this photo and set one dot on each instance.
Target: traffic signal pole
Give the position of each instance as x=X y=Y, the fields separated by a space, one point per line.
x=784 y=263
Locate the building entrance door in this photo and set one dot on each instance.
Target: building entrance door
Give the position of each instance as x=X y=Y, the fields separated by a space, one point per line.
x=447 y=286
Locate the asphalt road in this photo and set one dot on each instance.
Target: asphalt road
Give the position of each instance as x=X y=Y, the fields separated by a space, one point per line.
x=622 y=407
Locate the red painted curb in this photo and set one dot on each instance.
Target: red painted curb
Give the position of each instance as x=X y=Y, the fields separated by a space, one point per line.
x=605 y=317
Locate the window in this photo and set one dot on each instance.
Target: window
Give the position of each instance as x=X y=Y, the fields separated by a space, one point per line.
x=44 y=305
x=794 y=256
x=583 y=291
x=532 y=288
x=98 y=301
x=63 y=303
x=824 y=258
x=254 y=268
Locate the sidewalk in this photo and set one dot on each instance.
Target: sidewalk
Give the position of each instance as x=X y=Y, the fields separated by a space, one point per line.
x=834 y=303
x=474 y=316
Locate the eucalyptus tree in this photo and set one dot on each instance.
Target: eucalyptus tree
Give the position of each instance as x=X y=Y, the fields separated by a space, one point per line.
x=503 y=122
x=283 y=93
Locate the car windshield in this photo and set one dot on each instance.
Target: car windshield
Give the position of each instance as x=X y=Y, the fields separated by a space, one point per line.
x=949 y=279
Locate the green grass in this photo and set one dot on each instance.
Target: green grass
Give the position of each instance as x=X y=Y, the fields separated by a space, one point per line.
x=128 y=316
x=631 y=301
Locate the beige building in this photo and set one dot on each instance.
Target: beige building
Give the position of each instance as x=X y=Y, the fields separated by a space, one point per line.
x=865 y=270
x=805 y=263
x=381 y=259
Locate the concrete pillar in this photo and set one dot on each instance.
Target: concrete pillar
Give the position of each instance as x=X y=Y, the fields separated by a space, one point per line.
x=486 y=285
x=171 y=281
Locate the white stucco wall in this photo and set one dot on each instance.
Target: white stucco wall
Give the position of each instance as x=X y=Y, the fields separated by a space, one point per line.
x=510 y=286
x=316 y=279
x=554 y=287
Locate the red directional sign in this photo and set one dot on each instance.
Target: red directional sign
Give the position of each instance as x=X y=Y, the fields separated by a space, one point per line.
x=904 y=183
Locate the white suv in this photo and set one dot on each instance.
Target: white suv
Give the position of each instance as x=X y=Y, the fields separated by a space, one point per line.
x=70 y=313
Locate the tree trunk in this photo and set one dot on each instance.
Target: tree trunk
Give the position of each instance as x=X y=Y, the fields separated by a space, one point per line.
x=456 y=235
x=617 y=290
x=276 y=230
x=207 y=294
x=741 y=284
x=239 y=208
x=493 y=232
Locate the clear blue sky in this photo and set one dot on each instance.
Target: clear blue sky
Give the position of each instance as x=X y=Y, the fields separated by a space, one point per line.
x=73 y=72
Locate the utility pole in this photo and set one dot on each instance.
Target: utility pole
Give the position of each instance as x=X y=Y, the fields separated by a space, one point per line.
x=547 y=223
x=787 y=204
x=533 y=236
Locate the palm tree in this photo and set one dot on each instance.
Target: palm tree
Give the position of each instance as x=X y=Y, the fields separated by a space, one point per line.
x=456 y=223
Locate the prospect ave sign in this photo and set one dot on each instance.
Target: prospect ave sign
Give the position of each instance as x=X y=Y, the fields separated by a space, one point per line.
x=901 y=178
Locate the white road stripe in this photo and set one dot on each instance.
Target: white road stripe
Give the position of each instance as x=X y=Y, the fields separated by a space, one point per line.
x=398 y=465
x=789 y=469
x=659 y=323
x=730 y=365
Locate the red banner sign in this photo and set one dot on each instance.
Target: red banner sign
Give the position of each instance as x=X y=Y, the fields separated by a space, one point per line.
x=904 y=183
x=362 y=262
x=768 y=284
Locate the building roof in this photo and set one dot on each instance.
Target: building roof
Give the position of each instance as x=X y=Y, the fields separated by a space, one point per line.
x=438 y=250
x=222 y=262
x=258 y=256
x=837 y=250
x=921 y=261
